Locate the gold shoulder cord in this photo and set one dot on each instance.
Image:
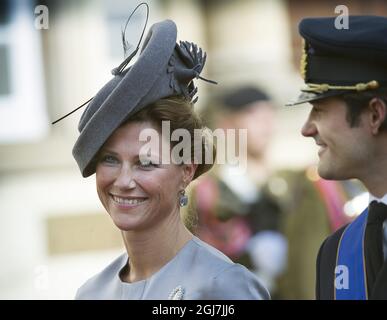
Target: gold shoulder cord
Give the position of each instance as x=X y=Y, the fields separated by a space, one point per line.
x=323 y=87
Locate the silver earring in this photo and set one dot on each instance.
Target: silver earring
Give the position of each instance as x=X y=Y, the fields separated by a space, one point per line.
x=183 y=199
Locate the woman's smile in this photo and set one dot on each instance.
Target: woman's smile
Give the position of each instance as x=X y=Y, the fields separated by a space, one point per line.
x=127 y=202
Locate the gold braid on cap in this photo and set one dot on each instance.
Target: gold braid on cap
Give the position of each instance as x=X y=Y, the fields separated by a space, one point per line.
x=303 y=62
x=323 y=87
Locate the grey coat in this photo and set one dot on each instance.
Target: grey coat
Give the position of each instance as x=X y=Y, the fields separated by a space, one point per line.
x=198 y=271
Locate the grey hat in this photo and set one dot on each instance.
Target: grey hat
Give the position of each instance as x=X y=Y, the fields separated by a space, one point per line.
x=163 y=69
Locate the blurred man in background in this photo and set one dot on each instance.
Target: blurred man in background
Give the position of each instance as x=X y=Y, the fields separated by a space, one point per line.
x=236 y=213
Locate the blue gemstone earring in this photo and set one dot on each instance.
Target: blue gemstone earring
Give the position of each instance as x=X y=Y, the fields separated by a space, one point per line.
x=183 y=199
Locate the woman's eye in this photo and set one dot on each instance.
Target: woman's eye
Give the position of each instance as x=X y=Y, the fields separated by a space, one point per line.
x=109 y=159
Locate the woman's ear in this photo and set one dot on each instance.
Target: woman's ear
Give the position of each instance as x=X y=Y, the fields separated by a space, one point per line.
x=377 y=115
x=188 y=173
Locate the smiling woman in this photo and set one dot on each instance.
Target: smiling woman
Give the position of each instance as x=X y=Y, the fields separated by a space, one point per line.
x=141 y=192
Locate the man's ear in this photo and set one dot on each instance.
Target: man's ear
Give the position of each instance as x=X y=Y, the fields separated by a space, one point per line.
x=377 y=114
x=188 y=173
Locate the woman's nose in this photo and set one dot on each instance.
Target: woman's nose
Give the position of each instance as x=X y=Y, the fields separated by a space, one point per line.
x=125 y=178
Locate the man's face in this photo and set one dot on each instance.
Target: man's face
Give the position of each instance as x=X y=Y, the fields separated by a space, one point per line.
x=344 y=152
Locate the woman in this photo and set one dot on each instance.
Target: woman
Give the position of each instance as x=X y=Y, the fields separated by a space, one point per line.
x=141 y=191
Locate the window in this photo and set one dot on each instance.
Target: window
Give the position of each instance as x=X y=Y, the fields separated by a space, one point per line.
x=23 y=116
x=5 y=10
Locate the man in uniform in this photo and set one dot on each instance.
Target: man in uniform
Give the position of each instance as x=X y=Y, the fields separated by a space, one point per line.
x=345 y=72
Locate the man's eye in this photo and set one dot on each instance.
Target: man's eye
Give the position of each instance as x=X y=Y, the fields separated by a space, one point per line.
x=317 y=110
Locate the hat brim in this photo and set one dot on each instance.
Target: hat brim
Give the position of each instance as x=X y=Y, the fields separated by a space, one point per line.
x=305 y=97
x=124 y=95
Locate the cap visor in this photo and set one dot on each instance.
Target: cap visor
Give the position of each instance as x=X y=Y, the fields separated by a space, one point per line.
x=311 y=96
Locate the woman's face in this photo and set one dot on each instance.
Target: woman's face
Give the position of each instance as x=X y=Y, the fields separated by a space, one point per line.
x=138 y=194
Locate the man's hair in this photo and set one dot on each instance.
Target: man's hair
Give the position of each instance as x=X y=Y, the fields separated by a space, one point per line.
x=356 y=104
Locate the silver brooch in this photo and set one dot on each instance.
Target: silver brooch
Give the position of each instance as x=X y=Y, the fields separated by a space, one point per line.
x=177 y=293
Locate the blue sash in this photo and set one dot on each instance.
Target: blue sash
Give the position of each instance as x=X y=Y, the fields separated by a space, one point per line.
x=350 y=273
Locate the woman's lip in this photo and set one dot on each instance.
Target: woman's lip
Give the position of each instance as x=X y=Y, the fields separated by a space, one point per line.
x=127 y=197
x=124 y=202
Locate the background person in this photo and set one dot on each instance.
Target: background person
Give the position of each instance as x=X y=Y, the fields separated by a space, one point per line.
x=236 y=212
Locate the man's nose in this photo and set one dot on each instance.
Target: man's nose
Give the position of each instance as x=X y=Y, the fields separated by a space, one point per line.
x=309 y=129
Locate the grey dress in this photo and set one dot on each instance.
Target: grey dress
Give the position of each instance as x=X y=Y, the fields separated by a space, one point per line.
x=198 y=271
